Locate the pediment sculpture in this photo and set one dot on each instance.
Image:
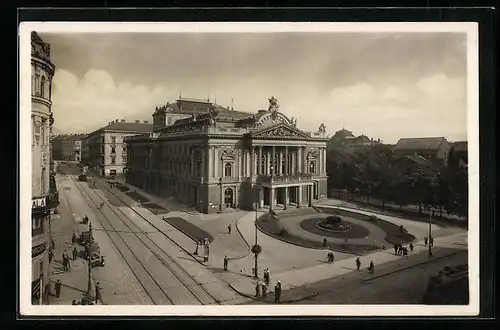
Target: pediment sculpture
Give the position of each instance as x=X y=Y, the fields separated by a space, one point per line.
x=322 y=128
x=227 y=152
x=312 y=153
x=282 y=131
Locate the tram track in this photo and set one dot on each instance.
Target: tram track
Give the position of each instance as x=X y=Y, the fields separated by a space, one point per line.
x=192 y=291
x=145 y=278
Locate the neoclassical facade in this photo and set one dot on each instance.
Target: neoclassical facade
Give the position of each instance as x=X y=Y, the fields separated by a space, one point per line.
x=225 y=159
x=44 y=193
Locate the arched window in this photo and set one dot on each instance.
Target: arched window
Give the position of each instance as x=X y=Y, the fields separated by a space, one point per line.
x=42 y=87
x=228 y=169
x=113 y=150
x=312 y=167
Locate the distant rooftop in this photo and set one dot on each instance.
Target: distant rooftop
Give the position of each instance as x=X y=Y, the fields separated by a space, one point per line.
x=428 y=143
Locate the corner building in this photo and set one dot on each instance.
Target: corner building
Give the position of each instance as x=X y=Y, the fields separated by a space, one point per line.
x=224 y=159
x=44 y=194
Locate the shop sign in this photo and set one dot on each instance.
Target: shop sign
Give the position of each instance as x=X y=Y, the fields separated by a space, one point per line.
x=39 y=203
x=37 y=250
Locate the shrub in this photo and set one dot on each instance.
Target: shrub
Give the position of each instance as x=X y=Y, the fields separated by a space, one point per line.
x=333 y=219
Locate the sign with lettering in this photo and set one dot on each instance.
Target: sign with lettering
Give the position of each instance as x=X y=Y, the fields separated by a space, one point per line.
x=39 y=202
x=37 y=250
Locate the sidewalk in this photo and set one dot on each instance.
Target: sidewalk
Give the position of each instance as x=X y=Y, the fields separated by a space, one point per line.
x=74 y=282
x=301 y=277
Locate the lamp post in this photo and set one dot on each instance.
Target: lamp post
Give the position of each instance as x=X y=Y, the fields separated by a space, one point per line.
x=271 y=196
x=220 y=196
x=256 y=249
x=89 y=280
x=430 y=233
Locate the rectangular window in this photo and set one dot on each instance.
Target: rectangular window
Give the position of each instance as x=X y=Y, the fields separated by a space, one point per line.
x=37 y=85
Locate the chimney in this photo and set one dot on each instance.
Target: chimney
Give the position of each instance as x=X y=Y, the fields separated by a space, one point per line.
x=137 y=121
x=123 y=120
x=145 y=122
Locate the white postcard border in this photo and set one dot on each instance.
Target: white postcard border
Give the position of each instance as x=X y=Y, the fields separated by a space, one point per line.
x=25 y=28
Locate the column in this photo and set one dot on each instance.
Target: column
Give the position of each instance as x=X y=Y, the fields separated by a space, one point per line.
x=252 y=163
x=192 y=162
x=273 y=160
x=299 y=159
x=324 y=160
x=210 y=161
x=279 y=163
x=287 y=200
x=293 y=159
x=299 y=195
x=268 y=162
x=286 y=161
x=259 y=162
x=261 y=197
x=217 y=162
x=203 y=160
x=311 y=187
x=271 y=198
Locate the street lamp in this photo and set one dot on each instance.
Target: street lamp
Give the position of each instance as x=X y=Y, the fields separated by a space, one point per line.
x=430 y=233
x=89 y=280
x=256 y=249
x=220 y=197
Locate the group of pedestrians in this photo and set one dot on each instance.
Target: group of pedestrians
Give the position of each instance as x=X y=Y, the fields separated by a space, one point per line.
x=399 y=249
x=261 y=288
x=429 y=241
x=371 y=266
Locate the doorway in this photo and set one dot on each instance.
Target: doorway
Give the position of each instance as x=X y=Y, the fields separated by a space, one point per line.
x=229 y=197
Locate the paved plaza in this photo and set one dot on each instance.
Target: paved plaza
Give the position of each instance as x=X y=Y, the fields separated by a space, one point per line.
x=295 y=266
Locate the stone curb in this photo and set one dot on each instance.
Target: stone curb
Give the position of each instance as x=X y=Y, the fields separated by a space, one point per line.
x=244 y=240
x=313 y=248
x=314 y=294
x=364 y=280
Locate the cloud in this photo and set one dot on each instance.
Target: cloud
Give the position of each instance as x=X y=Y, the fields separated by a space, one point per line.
x=89 y=103
x=383 y=85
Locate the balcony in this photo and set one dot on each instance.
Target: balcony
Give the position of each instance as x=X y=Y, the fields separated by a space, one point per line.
x=285 y=178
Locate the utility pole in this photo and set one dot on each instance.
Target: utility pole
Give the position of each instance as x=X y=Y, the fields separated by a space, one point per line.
x=256 y=249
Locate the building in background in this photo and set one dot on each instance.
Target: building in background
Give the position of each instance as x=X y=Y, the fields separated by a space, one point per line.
x=460 y=149
x=44 y=194
x=431 y=148
x=217 y=158
x=105 y=150
x=345 y=138
x=67 y=147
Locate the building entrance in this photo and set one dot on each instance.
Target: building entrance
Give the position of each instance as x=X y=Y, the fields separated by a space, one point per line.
x=229 y=197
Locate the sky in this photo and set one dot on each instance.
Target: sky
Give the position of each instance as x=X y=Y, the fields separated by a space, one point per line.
x=383 y=85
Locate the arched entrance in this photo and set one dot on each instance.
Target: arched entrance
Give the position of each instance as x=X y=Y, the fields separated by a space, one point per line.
x=228 y=197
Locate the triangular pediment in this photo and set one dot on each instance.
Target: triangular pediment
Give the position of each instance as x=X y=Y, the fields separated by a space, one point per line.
x=281 y=131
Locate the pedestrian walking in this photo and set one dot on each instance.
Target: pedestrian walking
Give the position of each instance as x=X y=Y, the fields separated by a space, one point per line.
x=257 y=290
x=197 y=247
x=395 y=249
x=73 y=238
x=411 y=247
x=277 y=292
x=51 y=256
x=324 y=242
x=57 y=287
x=75 y=253
x=226 y=261
x=264 y=289
x=358 y=263
x=64 y=261
x=405 y=251
x=371 y=268
x=98 y=297
x=229 y=229
x=425 y=240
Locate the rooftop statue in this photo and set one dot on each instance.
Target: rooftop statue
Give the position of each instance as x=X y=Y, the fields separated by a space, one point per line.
x=273 y=104
x=322 y=128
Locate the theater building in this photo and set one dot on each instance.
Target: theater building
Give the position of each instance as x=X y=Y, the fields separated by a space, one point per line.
x=221 y=159
x=44 y=192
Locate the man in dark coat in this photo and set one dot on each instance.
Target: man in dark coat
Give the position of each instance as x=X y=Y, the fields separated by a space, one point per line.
x=226 y=261
x=229 y=229
x=358 y=263
x=277 y=292
x=57 y=287
x=75 y=253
